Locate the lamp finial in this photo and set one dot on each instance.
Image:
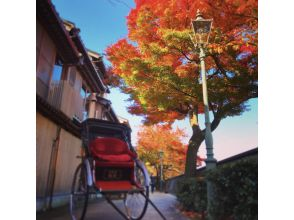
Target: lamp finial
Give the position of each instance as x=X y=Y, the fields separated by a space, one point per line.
x=199 y=15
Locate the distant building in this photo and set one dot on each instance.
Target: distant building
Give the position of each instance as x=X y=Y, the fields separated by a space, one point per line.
x=70 y=88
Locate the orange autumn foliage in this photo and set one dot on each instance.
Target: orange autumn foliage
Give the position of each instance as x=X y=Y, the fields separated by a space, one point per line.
x=158 y=65
x=156 y=138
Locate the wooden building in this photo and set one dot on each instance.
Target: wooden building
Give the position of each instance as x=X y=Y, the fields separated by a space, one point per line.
x=69 y=87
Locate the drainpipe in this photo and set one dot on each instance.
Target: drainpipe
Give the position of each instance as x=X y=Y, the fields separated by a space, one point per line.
x=52 y=171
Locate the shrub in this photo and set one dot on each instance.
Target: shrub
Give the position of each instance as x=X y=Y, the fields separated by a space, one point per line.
x=191 y=193
x=235 y=191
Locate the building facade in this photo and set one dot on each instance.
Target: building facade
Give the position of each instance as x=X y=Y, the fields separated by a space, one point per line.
x=69 y=89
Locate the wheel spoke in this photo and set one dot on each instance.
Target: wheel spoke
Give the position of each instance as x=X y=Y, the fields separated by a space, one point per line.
x=135 y=202
x=79 y=194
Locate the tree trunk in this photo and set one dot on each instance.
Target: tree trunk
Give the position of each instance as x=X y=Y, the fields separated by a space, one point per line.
x=193 y=147
x=194 y=144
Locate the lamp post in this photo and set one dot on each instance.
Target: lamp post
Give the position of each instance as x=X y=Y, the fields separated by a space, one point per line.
x=202 y=28
x=161 y=169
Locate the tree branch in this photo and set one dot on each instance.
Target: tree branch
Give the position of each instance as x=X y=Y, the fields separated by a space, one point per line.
x=170 y=85
x=185 y=93
x=212 y=75
x=185 y=55
x=214 y=124
x=211 y=107
x=218 y=64
x=253 y=88
x=217 y=117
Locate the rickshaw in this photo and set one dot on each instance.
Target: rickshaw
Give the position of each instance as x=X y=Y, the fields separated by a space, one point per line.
x=110 y=167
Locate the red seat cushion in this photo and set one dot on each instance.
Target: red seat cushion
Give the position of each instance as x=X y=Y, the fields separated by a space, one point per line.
x=116 y=158
x=111 y=149
x=101 y=163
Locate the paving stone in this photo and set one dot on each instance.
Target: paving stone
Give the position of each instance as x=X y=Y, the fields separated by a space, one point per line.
x=100 y=209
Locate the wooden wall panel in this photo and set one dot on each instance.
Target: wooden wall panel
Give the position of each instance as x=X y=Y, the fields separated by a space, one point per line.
x=45 y=133
x=72 y=102
x=69 y=148
x=39 y=35
x=46 y=52
x=78 y=81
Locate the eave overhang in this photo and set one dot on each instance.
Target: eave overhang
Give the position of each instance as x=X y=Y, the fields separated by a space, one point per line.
x=87 y=64
x=99 y=61
x=70 y=48
x=50 y=20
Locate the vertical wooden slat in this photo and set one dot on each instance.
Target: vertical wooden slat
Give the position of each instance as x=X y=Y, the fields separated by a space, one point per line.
x=45 y=134
x=69 y=148
x=63 y=96
x=52 y=169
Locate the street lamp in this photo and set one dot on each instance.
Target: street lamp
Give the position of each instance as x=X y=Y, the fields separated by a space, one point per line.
x=202 y=28
x=161 y=168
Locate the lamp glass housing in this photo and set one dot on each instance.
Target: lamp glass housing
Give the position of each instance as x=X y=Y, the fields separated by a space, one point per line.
x=201 y=28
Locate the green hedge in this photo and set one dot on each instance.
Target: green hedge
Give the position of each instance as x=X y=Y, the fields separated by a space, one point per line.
x=192 y=194
x=235 y=186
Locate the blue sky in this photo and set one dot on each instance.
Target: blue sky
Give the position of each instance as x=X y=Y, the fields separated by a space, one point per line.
x=103 y=22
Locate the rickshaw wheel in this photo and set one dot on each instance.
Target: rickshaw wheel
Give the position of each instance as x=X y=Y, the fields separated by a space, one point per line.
x=79 y=193
x=135 y=202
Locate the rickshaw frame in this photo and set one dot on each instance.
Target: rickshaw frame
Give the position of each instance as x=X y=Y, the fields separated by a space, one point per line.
x=91 y=129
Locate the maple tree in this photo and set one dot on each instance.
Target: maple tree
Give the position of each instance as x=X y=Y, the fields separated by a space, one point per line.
x=158 y=66
x=161 y=137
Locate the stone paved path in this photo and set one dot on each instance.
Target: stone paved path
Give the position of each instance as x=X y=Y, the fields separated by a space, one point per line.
x=101 y=210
